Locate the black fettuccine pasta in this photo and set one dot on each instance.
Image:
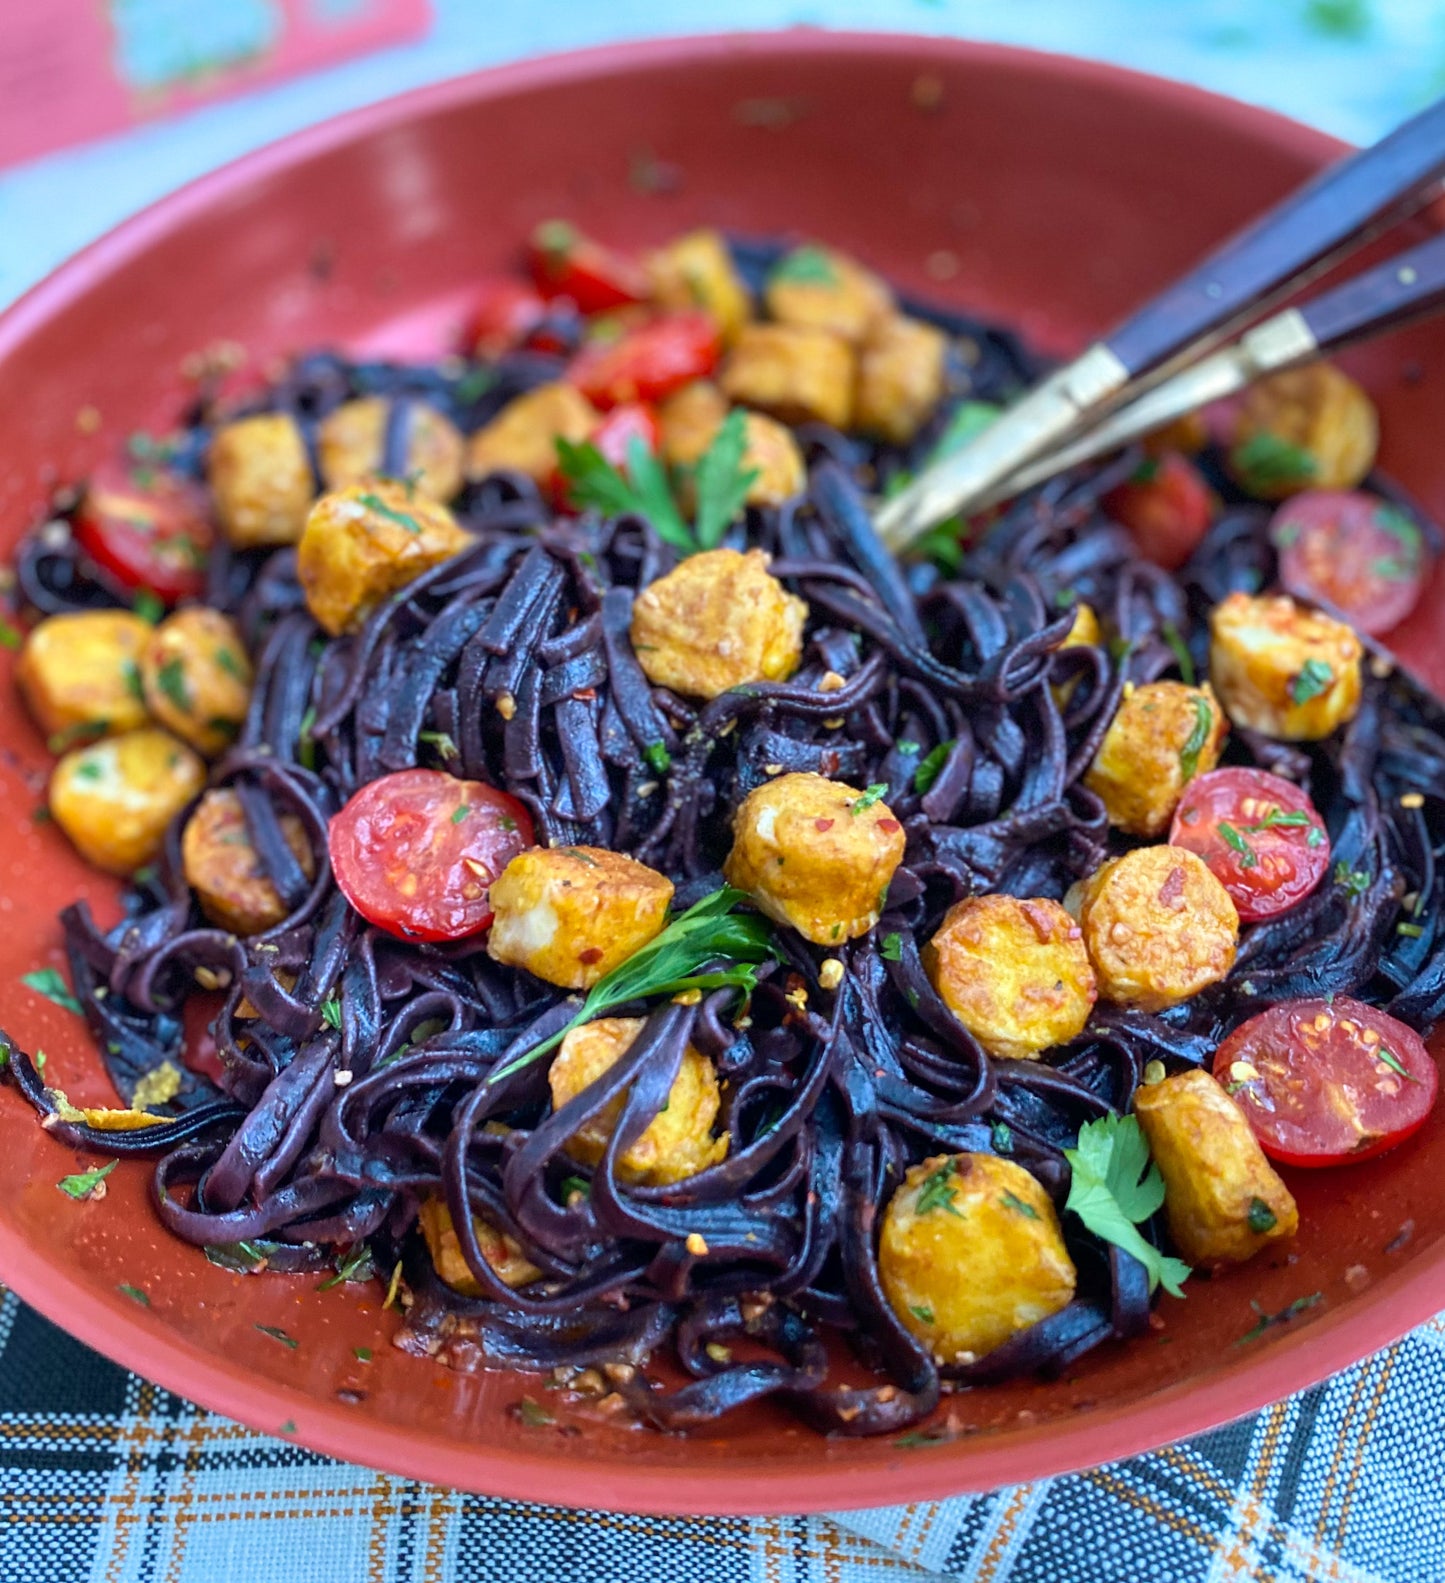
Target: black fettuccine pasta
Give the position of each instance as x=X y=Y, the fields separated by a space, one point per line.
x=512 y=664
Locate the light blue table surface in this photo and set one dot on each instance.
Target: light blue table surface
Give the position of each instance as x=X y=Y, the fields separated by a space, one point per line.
x=1354 y=67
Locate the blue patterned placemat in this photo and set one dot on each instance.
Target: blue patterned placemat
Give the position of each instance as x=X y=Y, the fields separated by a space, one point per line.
x=109 y=1479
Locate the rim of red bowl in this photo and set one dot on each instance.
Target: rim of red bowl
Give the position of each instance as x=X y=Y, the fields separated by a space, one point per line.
x=111 y=1325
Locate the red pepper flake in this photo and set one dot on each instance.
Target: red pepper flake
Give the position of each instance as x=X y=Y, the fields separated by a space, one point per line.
x=584 y=695
x=888 y=826
x=823 y=824
x=1172 y=888
x=1040 y=920
x=592 y=954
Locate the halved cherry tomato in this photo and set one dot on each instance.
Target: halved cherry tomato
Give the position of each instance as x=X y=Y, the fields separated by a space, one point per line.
x=506 y=312
x=613 y=437
x=1352 y=550
x=650 y=362
x=565 y=263
x=153 y=533
x=1326 y=1082
x=1260 y=835
x=416 y=852
x=1166 y=505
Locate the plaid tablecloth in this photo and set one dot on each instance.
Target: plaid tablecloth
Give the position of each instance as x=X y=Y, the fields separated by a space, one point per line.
x=109 y=1479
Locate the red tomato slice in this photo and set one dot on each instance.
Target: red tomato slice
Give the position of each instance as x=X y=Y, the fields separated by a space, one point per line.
x=1167 y=506
x=565 y=263
x=156 y=535
x=650 y=362
x=506 y=313
x=1325 y=1082
x=1261 y=837
x=1352 y=550
x=416 y=852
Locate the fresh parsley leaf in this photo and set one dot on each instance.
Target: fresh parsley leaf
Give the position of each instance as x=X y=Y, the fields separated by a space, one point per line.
x=10 y=636
x=1116 y=1187
x=1003 y=1138
x=931 y=767
x=658 y=758
x=920 y=1313
x=1265 y=462
x=84 y=1183
x=1261 y=1217
x=1015 y=1203
x=245 y=1258
x=1198 y=736
x=48 y=982
x=277 y=1334
x=708 y=932
x=134 y=1293
x=572 y=1185
x=460 y=812
x=1315 y=677
x=892 y=948
x=1276 y=819
x=593 y=481
x=1182 y=657
x=362 y=1354
x=721 y=480
x=443 y=744
x=937 y=1191
x=133 y=684
x=808 y=265
x=148 y=606
x=866 y=799
x=358 y=1265
x=401 y=518
x=331 y=1012
x=533 y=1414
x=1232 y=838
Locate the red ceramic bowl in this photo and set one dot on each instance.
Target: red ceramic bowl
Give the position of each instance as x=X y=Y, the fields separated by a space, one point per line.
x=1048 y=192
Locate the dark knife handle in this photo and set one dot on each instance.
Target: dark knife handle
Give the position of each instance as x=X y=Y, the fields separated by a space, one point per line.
x=1403 y=288
x=1325 y=216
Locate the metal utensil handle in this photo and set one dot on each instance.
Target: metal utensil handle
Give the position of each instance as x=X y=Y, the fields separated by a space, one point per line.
x=1403 y=288
x=1320 y=219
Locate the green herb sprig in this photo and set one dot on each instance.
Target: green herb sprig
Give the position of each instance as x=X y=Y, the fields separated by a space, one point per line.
x=1115 y=1188
x=1198 y=736
x=708 y=932
x=48 y=982
x=721 y=484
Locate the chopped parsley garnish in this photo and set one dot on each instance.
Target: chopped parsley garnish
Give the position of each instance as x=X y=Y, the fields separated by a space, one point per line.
x=533 y=1414
x=1267 y=1321
x=439 y=740
x=1014 y=1202
x=1198 y=736
x=133 y=684
x=362 y=1354
x=1315 y=677
x=1316 y=837
x=720 y=480
x=1393 y=1061
x=937 y=1191
x=230 y=662
x=1115 y=1188
x=1353 y=881
x=1232 y=838
x=892 y=948
x=148 y=606
x=277 y=1334
x=808 y=265
x=305 y=742
x=572 y=1185
x=873 y=794
x=474 y=384
x=134 y=1293
x=920 y=1313
x=84 y=1183
x=1182 y=657
x=171 y=679
x=657 y=756
x=401 y=518
x=331 y=1012
x=48 y=982
x=358 y=1265
x=1261 y=1217
x=931 y=767
x=682 y=957
x=1265 y=462
x=245 y=1258
x=1277 y=818
x=1003 y=1138
x=460 y=812
x=1411 y=931
x=966 y=422
x=10 y=636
